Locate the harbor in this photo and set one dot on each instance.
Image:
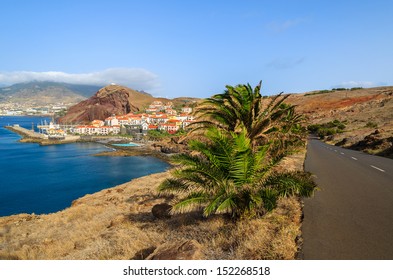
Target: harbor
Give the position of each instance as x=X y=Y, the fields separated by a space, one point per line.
x=43 y=138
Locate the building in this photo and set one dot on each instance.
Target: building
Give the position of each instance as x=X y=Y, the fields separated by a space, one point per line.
x=94 y=130
x=97 y=123
x=186 y=110
x=111 y=121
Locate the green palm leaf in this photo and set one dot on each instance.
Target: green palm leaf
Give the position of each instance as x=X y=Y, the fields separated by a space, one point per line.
x=242 y=136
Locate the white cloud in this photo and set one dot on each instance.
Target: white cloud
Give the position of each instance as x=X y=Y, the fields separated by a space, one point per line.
x=136 y=78
x=352 y=84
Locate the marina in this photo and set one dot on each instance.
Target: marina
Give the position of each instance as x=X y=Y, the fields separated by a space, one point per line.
x=45 y=133
x=47 y=178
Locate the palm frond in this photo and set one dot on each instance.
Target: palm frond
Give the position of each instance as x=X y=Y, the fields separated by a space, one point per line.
x=269 y=198
x=193 y=201
x=238 y=138
x=292 y=183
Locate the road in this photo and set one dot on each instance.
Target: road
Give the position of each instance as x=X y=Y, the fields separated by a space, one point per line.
x=351 y=216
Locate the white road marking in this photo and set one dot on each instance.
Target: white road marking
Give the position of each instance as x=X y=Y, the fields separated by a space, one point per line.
x=342 y=153
x=335 y=151
x=354 y=158
x=377 y=168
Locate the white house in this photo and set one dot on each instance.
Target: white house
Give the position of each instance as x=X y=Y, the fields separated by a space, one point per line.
x=111 y=121
x=187 y=110
x=145 y=126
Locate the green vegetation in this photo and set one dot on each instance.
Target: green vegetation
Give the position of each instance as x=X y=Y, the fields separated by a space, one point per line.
x=61 y=113
x=241 y=138
x=332 y=90
x=318 y=92
x=371 y=124
x=157 y=134
x=339 y=89
x=327 y=129
x=265 y=120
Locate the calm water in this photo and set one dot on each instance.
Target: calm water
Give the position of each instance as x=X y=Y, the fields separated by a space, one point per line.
x=44 y=179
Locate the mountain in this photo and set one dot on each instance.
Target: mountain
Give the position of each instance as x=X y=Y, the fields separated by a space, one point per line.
x=43 y=93
x=109 y=100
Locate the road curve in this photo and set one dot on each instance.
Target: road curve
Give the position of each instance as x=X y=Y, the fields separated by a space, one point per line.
x=351 y=216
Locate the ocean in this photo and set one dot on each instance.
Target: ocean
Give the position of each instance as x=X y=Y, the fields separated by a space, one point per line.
x=45 y=179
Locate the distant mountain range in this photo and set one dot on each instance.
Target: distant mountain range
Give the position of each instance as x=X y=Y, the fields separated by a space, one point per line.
x=42 y=93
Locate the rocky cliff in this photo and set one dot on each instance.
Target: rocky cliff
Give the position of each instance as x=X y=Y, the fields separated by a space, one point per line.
x=112 y=99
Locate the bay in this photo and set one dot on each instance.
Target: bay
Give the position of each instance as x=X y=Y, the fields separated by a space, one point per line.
x=45 y=179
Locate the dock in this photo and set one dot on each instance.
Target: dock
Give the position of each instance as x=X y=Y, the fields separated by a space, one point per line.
x=41 y=138
x=26 y=132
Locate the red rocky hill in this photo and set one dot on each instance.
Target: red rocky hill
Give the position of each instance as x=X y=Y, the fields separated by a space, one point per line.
x=112 y=99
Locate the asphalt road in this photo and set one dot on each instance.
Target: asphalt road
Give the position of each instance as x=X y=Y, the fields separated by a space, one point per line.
x=351 y=216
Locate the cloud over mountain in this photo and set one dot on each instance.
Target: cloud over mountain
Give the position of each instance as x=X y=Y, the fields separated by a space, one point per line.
x=135 y=78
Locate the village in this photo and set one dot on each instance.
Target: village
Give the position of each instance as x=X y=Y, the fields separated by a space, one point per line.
x=158 y=116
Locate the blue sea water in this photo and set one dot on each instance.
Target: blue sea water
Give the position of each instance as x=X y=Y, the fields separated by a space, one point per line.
x=45 y=179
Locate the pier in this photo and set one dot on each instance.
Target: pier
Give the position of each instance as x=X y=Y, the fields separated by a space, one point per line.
x=42 y=138
x=26 y=132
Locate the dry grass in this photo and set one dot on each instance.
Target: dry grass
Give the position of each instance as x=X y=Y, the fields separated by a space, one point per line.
x=356 y=108
x=117 y=224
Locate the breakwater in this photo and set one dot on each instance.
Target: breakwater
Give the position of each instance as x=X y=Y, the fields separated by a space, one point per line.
x=26 y=132
x=43 y=139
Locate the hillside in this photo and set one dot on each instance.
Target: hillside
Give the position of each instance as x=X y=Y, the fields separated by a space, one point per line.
x=43 y=93
x=115 y=100
x=118 y=223
x=112 y=99
x=367 y=115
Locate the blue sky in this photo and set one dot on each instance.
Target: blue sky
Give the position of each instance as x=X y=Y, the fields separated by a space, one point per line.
x=195 y=48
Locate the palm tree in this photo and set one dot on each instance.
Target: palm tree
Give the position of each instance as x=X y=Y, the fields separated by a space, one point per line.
x=227 y=174
x=264 y=119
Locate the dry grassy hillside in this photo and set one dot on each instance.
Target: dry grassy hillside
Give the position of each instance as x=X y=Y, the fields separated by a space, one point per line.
x=367 y=113
x=117 y=223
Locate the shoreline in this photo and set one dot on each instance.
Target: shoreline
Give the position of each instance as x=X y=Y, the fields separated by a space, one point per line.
x=146 y=149
x=117 y=223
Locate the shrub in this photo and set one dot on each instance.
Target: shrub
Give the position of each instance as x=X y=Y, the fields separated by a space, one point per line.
x=371 y=124
x=239 y=138
x=339 y=89
x=226 y=175
x=327 y=129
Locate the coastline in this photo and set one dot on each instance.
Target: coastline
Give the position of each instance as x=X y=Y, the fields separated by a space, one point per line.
x=146 y=149
x=117 y=223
